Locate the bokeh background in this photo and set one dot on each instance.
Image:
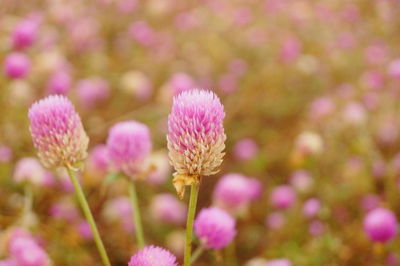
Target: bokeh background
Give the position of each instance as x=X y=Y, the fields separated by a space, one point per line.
x=310 y=90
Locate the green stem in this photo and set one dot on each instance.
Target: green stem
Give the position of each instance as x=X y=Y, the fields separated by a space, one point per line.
x=189 y=224
x=196 y=254
x=89 y=217
x=136 y=214
x=230 y=254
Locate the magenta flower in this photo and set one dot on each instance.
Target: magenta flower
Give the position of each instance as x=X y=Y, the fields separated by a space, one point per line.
x=57 y=132
x=215 y=228
x=129 y=146
x=311 y=207
x=16 y=65
x=279 y=262
x=92 y=91
x=60 y=82
x=25 y=251
x=380 y=225
x=24 y=34
x=29 y=170
x=166 y=208
x=245 y=149
x=195 y=137
x=153 y=256
x=98 y=160
x=283 y=197
x=235 y=191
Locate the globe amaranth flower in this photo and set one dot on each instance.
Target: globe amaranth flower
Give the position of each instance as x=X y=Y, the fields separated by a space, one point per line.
x=380 y=225
x=29 y=170
x=196 y=137
x=25 y=251
x=57 y=132
x=166 y=208
x=153 y=256
x=234 y=191
x=16 y=65
x=283 y=197
x=129 y=146
x=215 y=228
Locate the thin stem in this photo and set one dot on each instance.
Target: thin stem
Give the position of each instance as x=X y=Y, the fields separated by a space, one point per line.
x=196 y=254
x=189 y=224
x=230 y=254
x=136 y=214
x=89 y=217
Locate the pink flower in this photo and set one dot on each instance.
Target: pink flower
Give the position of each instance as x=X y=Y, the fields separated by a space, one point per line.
x=283 y=197
x=16 y=65
x=311 y=207
x=215 y=228
x=165 y=208
x=57 y=132
x=195 y=136
x=92 y=91
x=279 y=262
x=98 y=160
x=129 y=145
x=30 y=170
x=59 y=82
x=24 y=34
x=245 y=149
x=153 y=256
x=120 y=209
x=234 y=191
x=25 y=251
x=380 y=225
x=275 y=220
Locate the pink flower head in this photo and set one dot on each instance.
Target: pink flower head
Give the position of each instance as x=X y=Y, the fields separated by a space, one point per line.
x=120 y=209
x=84 y=230
x=30 y=170
x=91 y=91
x=165 y=208
x=279 y=262
x=98 y=160
x=196 y=137
x=311 y=207
x=8 y=262
x=275 y=220
x=245 y=149
x=291 y=49
x=16 y=65
x=153 y=256
x=301 y=180
x=59 y=82
x=321 y=107
x=129 y=145
x=57 y=132
x=316 y=228
x=394 y=69
x=141 y=32
x=215 y=228
x=234 y=191
x=180 y=82
x=380 y=225
x=24 y=34
x=6 y=154
x=283 y=197
x=25 y=251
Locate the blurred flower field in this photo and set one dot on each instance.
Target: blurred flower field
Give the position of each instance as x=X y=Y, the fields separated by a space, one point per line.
x=283 y=114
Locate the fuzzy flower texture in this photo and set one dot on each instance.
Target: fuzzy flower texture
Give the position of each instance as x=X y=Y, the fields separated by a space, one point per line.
x=153 y=256
x=196 y=137
x=57 y=132
x=129 y=145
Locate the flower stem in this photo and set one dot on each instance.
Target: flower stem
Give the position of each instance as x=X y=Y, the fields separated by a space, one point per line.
x=197 y=253
x=136 y=214
x=189 y=224
x=89 y=217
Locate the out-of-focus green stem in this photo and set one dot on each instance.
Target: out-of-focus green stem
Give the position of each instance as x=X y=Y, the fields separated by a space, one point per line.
x=189 y=224
x=231 y=254
x=197 y=253
x=89 y=217
x=136 y=214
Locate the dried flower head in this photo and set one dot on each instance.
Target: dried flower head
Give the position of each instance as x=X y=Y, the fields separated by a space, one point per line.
x=196 y=137
x=153 y=256
x=129 y=146
x=57 y=132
